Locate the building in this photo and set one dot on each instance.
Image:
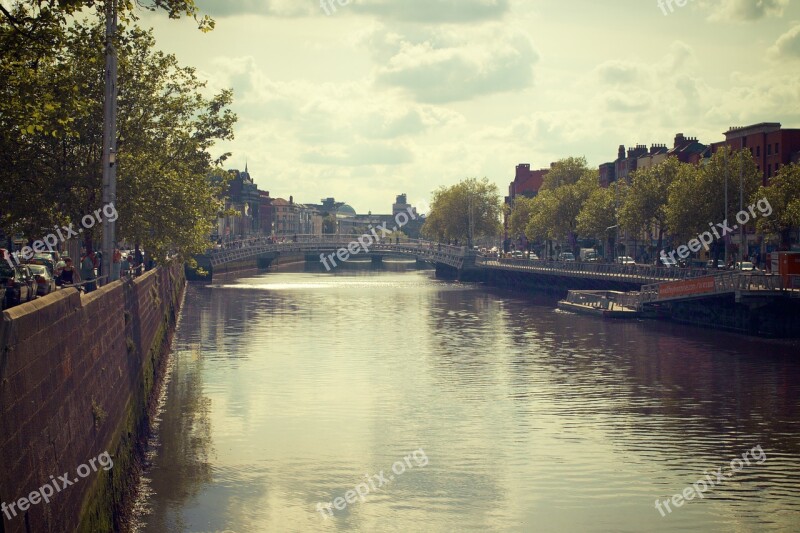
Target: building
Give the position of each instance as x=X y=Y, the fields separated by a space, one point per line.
x=526 y=182
x=401 y=204
x=286 y=216
x=771 y=146
x=243 y=197
x=686 y=149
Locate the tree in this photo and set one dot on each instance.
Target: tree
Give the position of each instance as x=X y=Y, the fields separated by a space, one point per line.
x=567 y=185
x=697 y=196
x=166 y=199
x=781 y=211
x=645 y=206
x=598 y=216
x=567 y=171
x=521 y=214
x=465 y=211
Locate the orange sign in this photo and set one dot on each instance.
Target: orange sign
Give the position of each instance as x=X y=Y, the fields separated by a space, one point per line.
x=686 y=287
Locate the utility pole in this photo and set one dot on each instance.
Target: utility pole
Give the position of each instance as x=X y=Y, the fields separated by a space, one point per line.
x=110 y=135
x=725 y=215
x=741 y=202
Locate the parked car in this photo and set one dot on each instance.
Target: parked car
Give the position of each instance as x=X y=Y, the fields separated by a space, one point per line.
x=668 y=262
x=625 y=260
x=534 y=257
x=744 y=266
x=720 y=263
x=517 y=254
x=566 y=256
x=20 y=286
x=44 y=279
x=44 y=260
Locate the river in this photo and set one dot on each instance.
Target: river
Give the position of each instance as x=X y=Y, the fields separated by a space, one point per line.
x=387 y=400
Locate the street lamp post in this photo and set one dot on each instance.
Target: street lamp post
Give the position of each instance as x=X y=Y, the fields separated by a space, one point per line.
x=110 y=135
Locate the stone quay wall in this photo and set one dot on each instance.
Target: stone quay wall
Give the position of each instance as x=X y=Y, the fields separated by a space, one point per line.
x=77 y=373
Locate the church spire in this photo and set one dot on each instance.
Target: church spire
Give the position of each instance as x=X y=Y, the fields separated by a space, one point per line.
x=245 y=167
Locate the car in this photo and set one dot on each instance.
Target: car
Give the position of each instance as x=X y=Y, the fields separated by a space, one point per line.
x=625 y=260
x=534 y=257
x=668 y=262
x=566 y=256
x=744 y=266
x=517 y=254
x=44 y=260
x=19 y=283
x=44 y=279
x=720 y=263
x=52 y=254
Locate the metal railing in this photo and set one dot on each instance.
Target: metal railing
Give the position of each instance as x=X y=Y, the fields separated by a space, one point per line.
x=247 y=248
x=635 y=273
x=610 y=300
x=726 y=282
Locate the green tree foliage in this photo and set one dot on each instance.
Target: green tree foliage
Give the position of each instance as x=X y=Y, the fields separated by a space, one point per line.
x=599 y=212
x=645 y=207
x=540 y=226
x=520 y=216
x=453 y=207
x=783 y=195
x=555 y=209
x=696 y=197
x=166 y=127
x=567 y=171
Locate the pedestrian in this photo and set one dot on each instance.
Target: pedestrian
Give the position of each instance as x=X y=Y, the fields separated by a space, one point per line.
x=116 y=265
x=86 y=271
x=124 y=266
x=69 y=276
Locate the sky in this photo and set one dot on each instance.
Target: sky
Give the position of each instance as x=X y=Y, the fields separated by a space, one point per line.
x=380 y=97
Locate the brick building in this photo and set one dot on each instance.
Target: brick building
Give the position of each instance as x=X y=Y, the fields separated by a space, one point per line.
x=771 y=145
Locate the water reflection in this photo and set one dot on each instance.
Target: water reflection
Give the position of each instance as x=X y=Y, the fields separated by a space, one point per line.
x=289 y=388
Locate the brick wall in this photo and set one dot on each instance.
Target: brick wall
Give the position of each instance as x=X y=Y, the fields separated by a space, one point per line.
x=76 y=373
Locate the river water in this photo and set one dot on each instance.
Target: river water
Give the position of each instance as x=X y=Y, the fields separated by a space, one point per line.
x=387 y=400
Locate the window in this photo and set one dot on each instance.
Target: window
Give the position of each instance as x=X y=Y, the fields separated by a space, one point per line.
x=769 y=171
x=769 y=149
x=758 y=151
x=777 y=145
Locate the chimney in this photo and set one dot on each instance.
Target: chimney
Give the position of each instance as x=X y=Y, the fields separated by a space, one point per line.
x=679 y=139
x=291 y=199
x=621 y=152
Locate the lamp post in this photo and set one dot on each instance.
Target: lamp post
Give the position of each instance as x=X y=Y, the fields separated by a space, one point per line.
x=110 y=135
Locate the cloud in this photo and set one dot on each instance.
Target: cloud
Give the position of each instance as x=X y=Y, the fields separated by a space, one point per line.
x=787 y=46
x=420 y=11
x=440 y=65
x=746 y=10
x=433 y=11
x=617 y=72
x=279 y=8
x=366 y=153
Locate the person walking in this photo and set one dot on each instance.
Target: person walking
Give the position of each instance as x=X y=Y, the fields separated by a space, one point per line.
x=125 y=266
x=69 y=275
x=87 y=271
x=116 y=265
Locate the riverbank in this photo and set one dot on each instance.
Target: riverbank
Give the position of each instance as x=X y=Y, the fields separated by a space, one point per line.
x=77 y=374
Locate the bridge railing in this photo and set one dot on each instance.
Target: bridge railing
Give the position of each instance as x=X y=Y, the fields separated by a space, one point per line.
x=606 y=269
x=248 y=247
x=724 y=282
